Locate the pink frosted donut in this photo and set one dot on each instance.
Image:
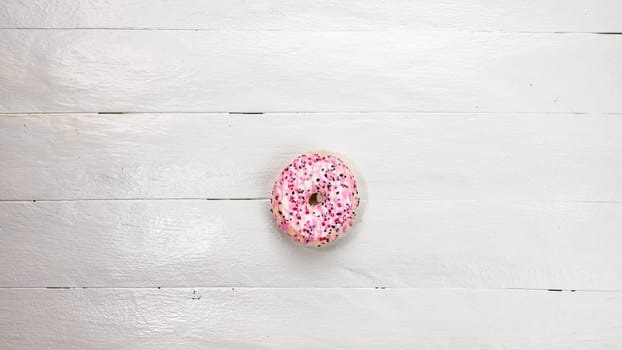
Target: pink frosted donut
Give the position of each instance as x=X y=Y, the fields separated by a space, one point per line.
x=315 y=199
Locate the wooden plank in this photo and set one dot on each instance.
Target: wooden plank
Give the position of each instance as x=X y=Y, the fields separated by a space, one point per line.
x=308 y=319
x=235 y=243
x=211 y=71
x=504 y=15
x=395 y=156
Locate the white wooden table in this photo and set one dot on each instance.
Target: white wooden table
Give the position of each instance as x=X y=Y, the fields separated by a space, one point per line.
x=139 y=141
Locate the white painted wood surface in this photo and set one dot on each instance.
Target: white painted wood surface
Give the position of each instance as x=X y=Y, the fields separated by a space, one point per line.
x=486 y=135
x=397 y=156
x=489 y=15
x=222 y=318
x=268 y=71
x=397 y=244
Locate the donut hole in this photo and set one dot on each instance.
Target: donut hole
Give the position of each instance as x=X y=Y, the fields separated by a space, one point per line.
x=315 y=199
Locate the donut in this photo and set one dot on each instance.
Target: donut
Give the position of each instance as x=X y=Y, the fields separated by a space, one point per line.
x=315 y=199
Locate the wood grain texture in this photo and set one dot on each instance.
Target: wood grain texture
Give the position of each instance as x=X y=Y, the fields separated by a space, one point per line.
x=395 y=156
x=485 y=136
x=185 y=71
x=504 y=15
x=308 y=319
x=425 y=244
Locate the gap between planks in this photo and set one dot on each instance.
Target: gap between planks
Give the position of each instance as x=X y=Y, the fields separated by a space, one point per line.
x=233 y=288
x=406 y=113
x=268 y=198
x=171 y=29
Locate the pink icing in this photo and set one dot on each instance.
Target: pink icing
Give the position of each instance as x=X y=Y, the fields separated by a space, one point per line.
x=324 y=222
